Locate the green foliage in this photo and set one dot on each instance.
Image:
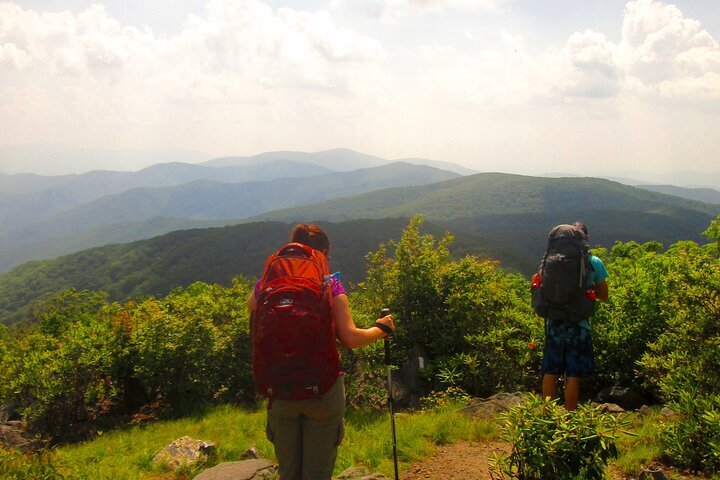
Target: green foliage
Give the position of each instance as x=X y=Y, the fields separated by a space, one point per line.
x=86 y=359
x=685 y=355
x=194 y=344
x=445 y=398
x=632 y=316
x=713 y=233
x=549 y=442
x=70 y=368
x=15 y=465
x=473 y=321
x=693 y=440
x=658 y=331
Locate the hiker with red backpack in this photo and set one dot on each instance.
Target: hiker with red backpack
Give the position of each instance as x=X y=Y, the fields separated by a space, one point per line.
x=298 y=313
x=564 y=293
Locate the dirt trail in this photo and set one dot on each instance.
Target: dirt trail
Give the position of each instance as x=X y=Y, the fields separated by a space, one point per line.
x=460 y=461
x=469 y=461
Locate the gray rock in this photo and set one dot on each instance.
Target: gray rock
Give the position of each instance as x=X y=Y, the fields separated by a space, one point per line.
x=644 y=411
x=354 y=472
x=14 y=435
x=254 y=469
x=611 y=408
x=185 y=452
x=6 y=411
x=492 y=406
x=401 y=393
x=668 y=413
x=250 y=453
x=410 y=371
x=652 y=474
x=626 y=398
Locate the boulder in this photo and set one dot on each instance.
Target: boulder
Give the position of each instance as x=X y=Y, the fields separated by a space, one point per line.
x=411 y=370
x=13 y=435
x=250 y=453
x=9 y=411
x=611 y=408
x=401 y=393
x=253 y=469
x=652 y=474
x=626 y=398
x=492 y=406
x=185 y=451
x=669 y=414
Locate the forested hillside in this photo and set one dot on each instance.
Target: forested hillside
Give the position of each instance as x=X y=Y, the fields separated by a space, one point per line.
x=499 y=193
x=215 y=255
x=707 y=195
x=518 y=211
x=504 y=217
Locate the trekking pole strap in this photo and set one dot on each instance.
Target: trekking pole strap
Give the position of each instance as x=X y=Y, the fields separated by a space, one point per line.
x=386 y=330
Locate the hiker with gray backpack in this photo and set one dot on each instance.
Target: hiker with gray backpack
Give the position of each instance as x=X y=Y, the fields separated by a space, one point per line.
x=564 y=292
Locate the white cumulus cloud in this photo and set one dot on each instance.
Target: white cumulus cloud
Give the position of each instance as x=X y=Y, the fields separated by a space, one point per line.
x=663 y=49
x=392 y=10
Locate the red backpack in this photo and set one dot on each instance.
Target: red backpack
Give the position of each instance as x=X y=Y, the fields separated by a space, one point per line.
x=295 y=356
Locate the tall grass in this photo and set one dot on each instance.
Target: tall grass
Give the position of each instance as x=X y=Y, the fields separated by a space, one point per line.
x=127 y=454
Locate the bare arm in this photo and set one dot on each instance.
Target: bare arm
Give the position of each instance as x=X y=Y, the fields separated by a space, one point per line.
x=348 y=334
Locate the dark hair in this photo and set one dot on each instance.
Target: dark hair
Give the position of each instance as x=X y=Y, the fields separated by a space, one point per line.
x=581 y=226
x=312 y=236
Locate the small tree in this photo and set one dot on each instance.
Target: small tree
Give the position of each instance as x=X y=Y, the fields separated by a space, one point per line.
x=713 y=233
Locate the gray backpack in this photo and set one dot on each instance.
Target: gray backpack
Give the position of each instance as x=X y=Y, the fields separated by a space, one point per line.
x=559 y=291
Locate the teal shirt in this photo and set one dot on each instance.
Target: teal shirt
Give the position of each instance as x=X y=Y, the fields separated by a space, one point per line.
x=598 y=273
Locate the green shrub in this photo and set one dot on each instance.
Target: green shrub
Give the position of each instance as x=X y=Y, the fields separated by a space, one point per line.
x=693 y=440
x=70 y=369
x=633 y=313
x=550 y=442
x=87 y=360
x=193 y=346
x=473 y=321
x=686 y=354
x=15 y=465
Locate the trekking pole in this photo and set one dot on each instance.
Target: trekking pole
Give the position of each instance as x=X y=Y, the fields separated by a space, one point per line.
x=385 y=312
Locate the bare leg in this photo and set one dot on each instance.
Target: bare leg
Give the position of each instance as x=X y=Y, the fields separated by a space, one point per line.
x=572 y=392
x=548 y=386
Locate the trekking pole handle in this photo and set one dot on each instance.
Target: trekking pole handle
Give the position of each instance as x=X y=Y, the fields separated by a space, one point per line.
x=384 y=313
x=387 y=330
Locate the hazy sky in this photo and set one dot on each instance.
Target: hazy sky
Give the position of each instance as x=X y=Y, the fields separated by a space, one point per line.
x=577 y=86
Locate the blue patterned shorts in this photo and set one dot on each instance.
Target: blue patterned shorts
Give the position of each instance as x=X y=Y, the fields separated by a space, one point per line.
x=568 y=350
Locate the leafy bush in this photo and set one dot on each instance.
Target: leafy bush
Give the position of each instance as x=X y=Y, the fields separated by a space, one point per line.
x=693 y=440
x=686 y=354
x=473 y=320
x=194 y=345
x=550 y=442
x=15 y=465
x=70 y=369
x=86 y=359
x=632 y=315
x=658 y=332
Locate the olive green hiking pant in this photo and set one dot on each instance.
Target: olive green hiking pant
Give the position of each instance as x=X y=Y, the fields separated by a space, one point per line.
x=307 y=433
